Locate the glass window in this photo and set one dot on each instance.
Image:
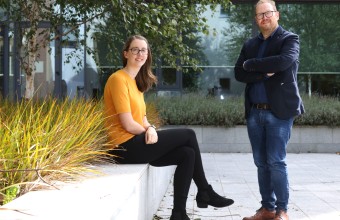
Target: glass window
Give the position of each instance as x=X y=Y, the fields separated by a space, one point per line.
x=222 y=47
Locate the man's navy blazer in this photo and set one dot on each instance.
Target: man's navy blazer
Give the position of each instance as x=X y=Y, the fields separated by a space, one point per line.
x=281 y=57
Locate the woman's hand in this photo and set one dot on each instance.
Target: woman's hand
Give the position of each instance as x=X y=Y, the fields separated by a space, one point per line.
x=151 y=136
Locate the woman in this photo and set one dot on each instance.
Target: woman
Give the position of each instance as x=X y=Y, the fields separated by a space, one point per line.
x=138 y=139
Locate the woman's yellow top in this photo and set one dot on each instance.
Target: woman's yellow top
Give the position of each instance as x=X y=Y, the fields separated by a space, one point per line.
x=121 y=95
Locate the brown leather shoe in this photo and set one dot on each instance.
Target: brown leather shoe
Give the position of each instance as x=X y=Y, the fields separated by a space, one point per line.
x=262 y=214
x=281 y=215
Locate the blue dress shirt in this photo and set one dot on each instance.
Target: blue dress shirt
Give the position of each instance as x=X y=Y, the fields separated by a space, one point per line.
x=257 y=93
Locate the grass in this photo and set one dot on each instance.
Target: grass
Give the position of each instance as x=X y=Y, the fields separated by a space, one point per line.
x=47 y=141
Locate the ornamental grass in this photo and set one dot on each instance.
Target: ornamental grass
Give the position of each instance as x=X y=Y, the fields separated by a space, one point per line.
x=47 y=141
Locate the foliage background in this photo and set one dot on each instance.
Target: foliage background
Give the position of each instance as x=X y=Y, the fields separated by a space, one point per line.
x=172 y=25
x=319 y=35
x=193 y=109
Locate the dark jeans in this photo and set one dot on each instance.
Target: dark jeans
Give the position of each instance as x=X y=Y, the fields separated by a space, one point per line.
x=174 y=147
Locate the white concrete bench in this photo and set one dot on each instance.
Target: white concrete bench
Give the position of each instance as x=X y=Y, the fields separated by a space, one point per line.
x=125 y=192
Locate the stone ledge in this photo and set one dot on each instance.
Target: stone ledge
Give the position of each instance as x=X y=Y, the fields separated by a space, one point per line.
x=304 y=139
x=125 y=192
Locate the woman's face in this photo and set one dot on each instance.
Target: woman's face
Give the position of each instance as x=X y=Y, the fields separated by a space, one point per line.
x=137 y=53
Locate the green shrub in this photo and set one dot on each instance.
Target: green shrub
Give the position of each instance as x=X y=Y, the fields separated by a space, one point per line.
x=194 y=109
x=191 y=109
x=320 y=110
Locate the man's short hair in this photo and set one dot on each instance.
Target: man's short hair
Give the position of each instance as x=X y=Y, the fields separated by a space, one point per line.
x=266 y=1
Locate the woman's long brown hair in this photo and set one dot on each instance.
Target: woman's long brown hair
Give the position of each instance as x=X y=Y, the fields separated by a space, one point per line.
x=145 y=78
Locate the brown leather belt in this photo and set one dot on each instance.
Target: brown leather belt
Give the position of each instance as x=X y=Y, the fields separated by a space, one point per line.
x=261 y=106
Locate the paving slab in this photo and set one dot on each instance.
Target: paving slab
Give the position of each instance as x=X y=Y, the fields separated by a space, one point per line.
x=314 y=187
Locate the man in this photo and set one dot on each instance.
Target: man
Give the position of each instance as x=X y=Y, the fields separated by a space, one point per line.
x=268 y=64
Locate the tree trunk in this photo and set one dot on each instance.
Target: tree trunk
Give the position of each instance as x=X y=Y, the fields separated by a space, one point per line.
x=30 y=66
x=31 y=48
x=29 y=92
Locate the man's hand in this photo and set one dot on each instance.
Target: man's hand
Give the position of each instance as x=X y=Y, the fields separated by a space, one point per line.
x=270 y=74
x=244 y=65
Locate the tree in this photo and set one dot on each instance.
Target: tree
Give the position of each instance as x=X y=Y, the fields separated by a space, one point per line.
x=163 y=22
x=319 y=32
x=317 y=27
x=30 y=15
x=240 y=19
x=319 y=36
x=165 y=46
x=172 y=28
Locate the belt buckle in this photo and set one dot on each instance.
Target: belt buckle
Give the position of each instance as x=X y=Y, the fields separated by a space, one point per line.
x=260 y=106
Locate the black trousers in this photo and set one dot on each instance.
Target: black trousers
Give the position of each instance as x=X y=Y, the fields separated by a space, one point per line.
x=174 y=147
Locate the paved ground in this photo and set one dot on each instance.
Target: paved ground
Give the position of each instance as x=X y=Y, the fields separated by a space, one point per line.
x=314 y=187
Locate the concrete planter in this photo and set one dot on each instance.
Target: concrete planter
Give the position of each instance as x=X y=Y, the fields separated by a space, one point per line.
x=304 y=139
x=124 y=192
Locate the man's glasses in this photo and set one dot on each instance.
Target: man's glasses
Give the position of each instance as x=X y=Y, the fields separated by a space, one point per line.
x=136 y=50
x=268 y=14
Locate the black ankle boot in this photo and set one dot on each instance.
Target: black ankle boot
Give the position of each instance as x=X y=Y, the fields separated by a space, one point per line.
x=178 y=215
x=210 y=197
